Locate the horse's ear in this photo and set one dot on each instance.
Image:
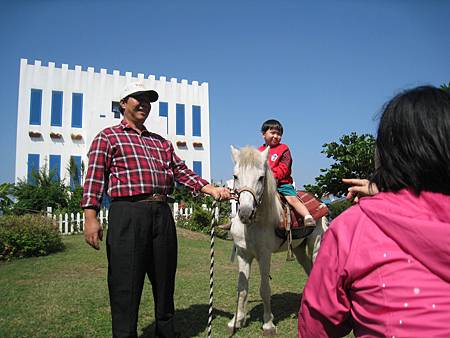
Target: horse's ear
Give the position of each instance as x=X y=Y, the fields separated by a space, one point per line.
x=265 y=154
x=234 y=153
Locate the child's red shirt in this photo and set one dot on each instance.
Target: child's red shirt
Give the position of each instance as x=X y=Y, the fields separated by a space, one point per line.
x=280 y=161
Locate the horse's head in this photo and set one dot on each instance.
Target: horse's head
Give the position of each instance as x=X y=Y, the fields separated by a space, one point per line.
x=250 y=174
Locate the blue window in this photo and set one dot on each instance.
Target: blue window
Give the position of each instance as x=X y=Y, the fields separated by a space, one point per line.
x=35 y=106
x=77 y=110
x=55 y=167
x=33 y=166
x=163 y=109
x=180 y=119
x=115 y=108
x=106 y=201
x=75 y=175
x=197 y=166
x=164 y=112
x=57 y=101
x=196 y=121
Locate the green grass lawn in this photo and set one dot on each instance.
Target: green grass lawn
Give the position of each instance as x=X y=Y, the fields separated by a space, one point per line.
x=65 y=294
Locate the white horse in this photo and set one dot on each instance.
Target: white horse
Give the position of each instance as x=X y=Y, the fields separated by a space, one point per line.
x=253 y=231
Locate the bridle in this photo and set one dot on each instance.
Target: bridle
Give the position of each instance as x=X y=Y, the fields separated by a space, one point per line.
x=236 y=193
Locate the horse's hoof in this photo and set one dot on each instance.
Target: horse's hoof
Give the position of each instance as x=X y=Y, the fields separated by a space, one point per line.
x=231 y=330
x=233 y=326
x=270 y=332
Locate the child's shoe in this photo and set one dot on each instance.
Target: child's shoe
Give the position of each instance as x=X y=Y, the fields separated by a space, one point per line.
x=309 y=221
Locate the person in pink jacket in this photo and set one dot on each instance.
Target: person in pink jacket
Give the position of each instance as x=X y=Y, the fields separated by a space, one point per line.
x=383 y=269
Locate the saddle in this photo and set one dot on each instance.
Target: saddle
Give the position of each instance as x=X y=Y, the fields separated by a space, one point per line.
x=292 y=225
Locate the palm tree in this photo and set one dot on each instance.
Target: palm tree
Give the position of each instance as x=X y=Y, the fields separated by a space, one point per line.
x=446 y=87
x=74 y=173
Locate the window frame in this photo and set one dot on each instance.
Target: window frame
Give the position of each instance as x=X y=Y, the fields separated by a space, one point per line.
x=77 y=122
x=196 y=117
x=77 y=159
x=35 y=107
x=51 y=160
x=196 y=168
x=56 y=113
x=180 y=119
x=32 y=159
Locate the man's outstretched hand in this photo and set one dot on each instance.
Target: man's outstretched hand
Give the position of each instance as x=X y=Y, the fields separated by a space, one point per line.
x=218 y=193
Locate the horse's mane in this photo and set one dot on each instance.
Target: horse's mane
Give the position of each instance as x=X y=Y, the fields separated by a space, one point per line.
x=270 y=205
x=250 y=156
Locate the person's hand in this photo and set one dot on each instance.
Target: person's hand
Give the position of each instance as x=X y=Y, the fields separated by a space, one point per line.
x=218 y=193
x=224 y=194
x=93 y=231
x=359 y=188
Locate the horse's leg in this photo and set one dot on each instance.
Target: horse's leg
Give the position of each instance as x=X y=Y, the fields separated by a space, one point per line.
x=302 y=255
x=265 y=292
x=307 y=251
x=322 y=226
x=238 y=319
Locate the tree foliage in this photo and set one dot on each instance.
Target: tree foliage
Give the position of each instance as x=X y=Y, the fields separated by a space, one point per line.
x=446 y=87
x=6 y=202
x=75 y=197
x=353 y=157
x=183 y=193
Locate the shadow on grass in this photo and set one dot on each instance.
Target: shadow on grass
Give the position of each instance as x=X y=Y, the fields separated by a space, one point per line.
x=189 y=322
x=192 y=321
x=284 y=305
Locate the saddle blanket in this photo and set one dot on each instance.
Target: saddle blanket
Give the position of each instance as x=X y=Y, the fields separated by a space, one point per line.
x=316 y=208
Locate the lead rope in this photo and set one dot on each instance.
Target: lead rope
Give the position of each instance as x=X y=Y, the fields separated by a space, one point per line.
x=211 y=270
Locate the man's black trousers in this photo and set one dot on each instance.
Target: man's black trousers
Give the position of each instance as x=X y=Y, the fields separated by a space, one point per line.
x=141 y=241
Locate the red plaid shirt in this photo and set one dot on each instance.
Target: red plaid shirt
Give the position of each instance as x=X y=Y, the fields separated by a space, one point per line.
x=126 y=163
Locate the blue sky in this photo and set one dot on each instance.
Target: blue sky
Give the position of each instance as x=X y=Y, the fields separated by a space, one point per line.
x=323 y=68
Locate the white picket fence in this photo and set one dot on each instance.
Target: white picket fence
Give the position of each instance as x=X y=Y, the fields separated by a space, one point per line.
x=74 y=223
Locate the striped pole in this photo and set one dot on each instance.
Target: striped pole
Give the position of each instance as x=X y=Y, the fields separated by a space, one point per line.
x=211 y=272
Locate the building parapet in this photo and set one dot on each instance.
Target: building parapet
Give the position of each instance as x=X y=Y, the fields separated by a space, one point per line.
x=115 y=73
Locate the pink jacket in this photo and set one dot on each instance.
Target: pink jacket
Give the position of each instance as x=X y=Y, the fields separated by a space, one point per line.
x=383 y=270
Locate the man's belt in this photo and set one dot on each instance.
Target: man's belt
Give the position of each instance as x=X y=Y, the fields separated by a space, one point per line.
x=145 y=198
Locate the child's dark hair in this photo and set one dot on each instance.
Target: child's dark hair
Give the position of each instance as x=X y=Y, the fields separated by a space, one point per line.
x=413 y=142
x=272 y=124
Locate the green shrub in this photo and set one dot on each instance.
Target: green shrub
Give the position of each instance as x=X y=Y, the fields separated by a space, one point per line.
x=199 y=221
x=28 y=235
x=338 y=207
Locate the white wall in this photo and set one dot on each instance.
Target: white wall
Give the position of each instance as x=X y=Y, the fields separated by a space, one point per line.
x=99 y=89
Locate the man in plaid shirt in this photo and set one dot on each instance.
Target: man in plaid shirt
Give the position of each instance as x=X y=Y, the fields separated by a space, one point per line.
x=137 y=169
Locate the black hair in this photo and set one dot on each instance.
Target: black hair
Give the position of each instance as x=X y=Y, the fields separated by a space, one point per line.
x=413 y=142
x=272 y=124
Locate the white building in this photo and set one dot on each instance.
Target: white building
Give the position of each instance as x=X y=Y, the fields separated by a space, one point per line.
x=60 y=110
